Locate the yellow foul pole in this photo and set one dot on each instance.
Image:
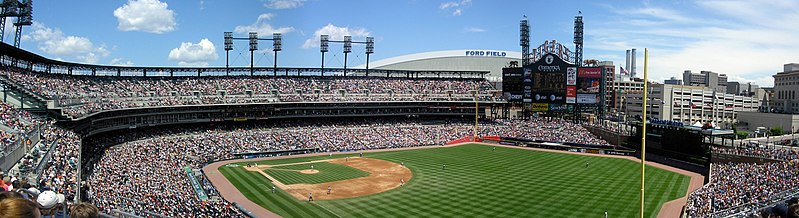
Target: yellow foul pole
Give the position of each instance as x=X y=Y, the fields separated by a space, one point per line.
x=643 y=130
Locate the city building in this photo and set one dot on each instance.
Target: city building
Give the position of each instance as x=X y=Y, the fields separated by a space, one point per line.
x=610 y=73
x=747 y=89
x=786 y=85
x=691 y=104
x=709 y=79
x=673 y=81
x=621 y=88
x=750 y=121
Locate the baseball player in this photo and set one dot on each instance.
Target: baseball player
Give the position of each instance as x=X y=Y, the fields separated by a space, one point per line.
x=402 y=182
x=606 y=214
x=329 y=189
x=494 y=149
x=443 y=166
x=310 y=196
x=403 y=163
x=273 y=189
x=311 y=166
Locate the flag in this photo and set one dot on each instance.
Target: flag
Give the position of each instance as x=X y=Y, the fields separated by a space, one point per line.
x=623 y=71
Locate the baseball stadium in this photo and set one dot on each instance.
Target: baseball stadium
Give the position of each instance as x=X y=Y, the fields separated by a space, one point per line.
x=431 y=134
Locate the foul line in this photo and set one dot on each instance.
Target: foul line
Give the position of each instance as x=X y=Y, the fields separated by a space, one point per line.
x=339 y=216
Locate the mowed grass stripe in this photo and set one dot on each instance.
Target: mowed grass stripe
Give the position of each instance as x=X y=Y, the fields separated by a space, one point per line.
x=328 y=172
x=281 y=203
x=479 y=182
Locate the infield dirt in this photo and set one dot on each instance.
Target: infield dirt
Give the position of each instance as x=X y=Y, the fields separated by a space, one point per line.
x=383 y=176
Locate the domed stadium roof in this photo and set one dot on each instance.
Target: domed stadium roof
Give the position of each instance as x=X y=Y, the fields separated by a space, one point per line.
x=471 y=60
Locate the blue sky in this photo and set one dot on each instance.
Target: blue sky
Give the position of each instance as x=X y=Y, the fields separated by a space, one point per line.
x=748 y=40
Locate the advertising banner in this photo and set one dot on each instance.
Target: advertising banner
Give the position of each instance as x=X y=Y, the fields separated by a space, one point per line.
x=540 y=106
x=512 y=87
x=557 y=107
x=571 y=94
x=592 y=72
x=527 y=82
x=587 y=98
x=571 y=76
x=589 y=80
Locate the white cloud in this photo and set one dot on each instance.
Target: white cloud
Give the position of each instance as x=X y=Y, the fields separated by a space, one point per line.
x=748 y=41
x=150 y=16
x=334 y=33
x=120 y=62
x=455 y=6
x=262 y=27
x=190 y=54
x=473 y=30
x=55 y=42
x=284 y=4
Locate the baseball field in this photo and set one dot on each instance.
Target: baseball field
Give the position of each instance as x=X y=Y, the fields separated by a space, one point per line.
x=462 y=181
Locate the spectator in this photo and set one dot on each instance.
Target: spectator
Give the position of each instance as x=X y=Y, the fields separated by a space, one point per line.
x=18 y=208
x=84 y=210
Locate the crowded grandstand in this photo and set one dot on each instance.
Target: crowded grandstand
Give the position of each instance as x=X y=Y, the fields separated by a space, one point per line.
x=137 y=173
x=134 y=145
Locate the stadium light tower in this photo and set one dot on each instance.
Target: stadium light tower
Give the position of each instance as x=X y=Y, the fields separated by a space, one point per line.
x=370 y=48
x=228 y=47
x=578 y=39
x=347 y=50
x=524 y=40
x=7 y=9
x=277 y=43
x=323 y=48
x=22 y=10
x=253 y=46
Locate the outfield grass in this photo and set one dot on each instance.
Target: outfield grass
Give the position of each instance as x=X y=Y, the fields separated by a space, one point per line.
x=480 y=183
x=328 y=172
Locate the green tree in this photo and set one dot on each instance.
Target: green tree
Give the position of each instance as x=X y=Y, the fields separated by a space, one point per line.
x=742 y=134
x=775 y=131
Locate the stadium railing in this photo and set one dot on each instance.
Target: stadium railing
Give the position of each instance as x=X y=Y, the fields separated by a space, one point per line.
x=745 y=209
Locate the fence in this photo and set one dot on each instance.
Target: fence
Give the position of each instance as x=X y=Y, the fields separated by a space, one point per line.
x=13 y=152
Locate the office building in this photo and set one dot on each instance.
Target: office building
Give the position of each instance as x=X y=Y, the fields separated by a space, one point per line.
x=691 y=104
x=786 y=86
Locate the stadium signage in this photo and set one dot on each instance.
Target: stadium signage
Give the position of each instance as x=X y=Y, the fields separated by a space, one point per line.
x=514 y=97
x=548 y=68
x=486 y=53
x=666 y=122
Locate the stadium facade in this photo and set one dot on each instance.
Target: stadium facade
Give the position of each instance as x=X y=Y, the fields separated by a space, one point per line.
x=453 y=60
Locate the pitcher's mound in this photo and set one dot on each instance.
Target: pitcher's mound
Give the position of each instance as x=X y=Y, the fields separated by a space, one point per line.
x=309 y=171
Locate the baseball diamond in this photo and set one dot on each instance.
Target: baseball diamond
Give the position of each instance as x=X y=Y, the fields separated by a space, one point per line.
x=508 y=182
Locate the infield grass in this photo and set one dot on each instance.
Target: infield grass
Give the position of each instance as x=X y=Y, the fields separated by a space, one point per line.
x=479 y=182
x=328 y=172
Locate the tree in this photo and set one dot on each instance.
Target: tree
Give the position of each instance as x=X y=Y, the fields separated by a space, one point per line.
x=775 y=131
x=742 y=134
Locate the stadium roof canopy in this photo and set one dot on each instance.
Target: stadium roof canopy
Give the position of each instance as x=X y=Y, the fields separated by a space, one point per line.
x=455 y=60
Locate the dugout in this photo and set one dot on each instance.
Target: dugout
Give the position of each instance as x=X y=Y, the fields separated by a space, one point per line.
x=678 y=146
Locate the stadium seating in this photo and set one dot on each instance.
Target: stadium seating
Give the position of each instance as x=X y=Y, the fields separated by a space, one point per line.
x=83 y=95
